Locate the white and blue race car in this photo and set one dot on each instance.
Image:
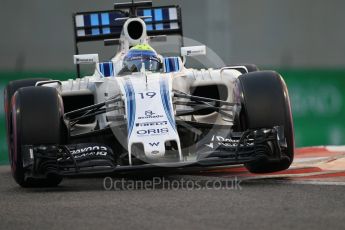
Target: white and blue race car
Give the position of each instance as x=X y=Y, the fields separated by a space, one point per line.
x=142 y=111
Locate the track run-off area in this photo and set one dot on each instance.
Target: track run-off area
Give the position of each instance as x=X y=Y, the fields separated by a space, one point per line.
x=312 y=165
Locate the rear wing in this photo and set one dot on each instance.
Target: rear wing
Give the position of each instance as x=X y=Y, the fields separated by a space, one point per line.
x=104 y=25
x=101 y=25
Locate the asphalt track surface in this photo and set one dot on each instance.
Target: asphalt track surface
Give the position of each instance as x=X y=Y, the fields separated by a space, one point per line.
x=85 y=204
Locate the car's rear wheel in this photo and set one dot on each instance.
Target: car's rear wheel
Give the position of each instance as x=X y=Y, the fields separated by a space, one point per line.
x=251 y=67
x=266 y=104
x=36 y=118
x=248 y=68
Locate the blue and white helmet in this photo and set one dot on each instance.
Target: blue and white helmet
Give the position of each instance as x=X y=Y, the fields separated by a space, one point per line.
x=140 y=55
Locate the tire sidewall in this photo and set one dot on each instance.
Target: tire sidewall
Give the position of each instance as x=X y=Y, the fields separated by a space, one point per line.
x=15 y=154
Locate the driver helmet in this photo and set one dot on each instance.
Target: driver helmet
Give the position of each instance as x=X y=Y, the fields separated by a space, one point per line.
x=139 y=55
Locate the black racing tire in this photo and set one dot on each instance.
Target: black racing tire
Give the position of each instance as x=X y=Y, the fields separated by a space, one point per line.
x=251 y=67
x=36 y=118
x=265 y=102
x=9 y=91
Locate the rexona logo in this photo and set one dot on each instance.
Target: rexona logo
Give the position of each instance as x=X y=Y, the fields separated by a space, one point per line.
x=158 y=123
x=153 y=131
x=149 y=115
x=89 y=152
x=224 y=142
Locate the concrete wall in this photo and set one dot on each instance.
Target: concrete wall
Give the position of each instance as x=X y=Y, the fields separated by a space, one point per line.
x=38 y=34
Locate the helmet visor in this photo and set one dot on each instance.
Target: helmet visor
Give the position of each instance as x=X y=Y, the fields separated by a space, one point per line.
x=135 y=64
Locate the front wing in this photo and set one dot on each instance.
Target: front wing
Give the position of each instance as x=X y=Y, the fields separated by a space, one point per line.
x=98 y=158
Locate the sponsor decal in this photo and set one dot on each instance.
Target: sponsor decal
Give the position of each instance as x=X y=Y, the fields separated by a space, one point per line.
x=154 y=144
x=193 y=51
x=224 y=142
x=89 y=152
x=158 y=123
x=150 y=115
x=155 y=152
x=86 y=59
x=150 y=132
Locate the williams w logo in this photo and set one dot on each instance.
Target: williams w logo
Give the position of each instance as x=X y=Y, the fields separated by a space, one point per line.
x=154 y=144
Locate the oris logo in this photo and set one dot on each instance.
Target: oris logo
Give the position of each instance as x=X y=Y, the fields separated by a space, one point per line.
x=153 y=131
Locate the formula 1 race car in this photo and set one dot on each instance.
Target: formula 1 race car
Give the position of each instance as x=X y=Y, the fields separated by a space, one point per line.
x=141 y=110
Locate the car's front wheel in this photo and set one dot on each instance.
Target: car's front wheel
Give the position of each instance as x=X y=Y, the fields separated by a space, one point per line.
x=9 y=91
x=265 y=104
x=35 y=119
